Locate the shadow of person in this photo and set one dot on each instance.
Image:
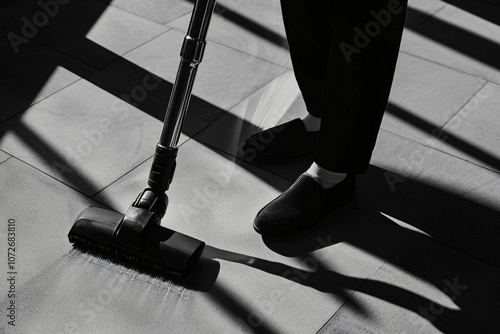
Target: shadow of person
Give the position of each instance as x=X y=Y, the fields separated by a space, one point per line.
x=431 y=238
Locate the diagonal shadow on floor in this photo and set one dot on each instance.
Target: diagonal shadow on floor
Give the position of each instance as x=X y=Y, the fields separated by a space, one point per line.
x=450 y=221
x=452 y=36
x=420 y=197
x=487 y=10
x=469 y=148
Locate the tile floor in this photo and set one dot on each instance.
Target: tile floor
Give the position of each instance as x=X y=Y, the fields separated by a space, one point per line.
x=416 y=252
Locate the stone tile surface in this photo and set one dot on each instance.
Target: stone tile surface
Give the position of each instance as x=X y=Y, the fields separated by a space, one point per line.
x=427 y=165
x=90 y=32
x=159 y=11
x=457 y=296
x=473 y=133
x=417 y=250
x=224 y=77
x=434 y=192
x=427 y=7
x=278 y=102
x=77 y=39
x=82 y=136
x=255 y=28
x=424 y=96
x=3 y=156
x=456 y=38
x=29 y=75
x=43 y=210
x=487 y=192
x=275 y=103
x=260 y=273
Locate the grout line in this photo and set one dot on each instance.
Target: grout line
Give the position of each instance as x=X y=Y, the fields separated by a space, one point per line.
x=232 y=48
x=215 y=120
x=338 y=309
x=110 y=4
x=446 y=66
x=8 y=158
x=54 y=178
x=94 y=70
x=443 y=152
x=384 y=261
x=439 y=242
x=463 y=106
x=120 y=177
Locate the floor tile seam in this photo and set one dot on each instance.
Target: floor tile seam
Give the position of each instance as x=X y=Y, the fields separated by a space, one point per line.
x=386 y=261
x=8 y=158
x=241 y=160
x=435 y=241
x=101 y=66
x=440 y=152
x=118 y=56
x=447 y=66
x=337 y=311
x=222 y=115
x=93 y=71
x=225 y=113
x=249 y=162
x=32 y=104
x=140 y=45
x=463 y=105
x=110 y=4
x=363 y=282
x=429 y=15
x=188 y=139
x=256 y=90
x=479 y=186
x=50 y=176
x=353 y=292
x=189 y=12
x=115 y=7
x=136 y=167
x=432 y=17
x=233 y=48
x=93 y=196
x=434 y=14
x=489 y=169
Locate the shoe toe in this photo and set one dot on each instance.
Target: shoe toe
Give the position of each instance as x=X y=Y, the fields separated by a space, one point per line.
x=292 y=210
x=302 y=205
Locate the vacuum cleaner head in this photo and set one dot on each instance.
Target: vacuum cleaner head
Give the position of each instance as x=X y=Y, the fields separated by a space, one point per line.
x=139 y=235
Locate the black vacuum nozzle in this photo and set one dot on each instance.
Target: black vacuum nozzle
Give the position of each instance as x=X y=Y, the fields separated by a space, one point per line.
x=144 y=239
x=138 y=233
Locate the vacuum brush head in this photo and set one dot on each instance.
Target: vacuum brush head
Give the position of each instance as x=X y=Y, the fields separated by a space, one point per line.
x=146 y=242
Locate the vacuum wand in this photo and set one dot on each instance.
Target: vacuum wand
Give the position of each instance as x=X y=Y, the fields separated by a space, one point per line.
x=138 y=233
x=163 y=167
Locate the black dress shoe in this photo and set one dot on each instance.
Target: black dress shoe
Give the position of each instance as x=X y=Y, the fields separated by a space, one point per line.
x=302 y=205
x=283 y=141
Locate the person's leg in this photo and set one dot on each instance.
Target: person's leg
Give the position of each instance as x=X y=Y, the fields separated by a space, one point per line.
x=308 y=31
x=361 y=66
x=362 y=58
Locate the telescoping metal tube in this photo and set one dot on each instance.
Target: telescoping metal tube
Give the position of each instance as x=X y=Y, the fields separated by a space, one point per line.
x=191 y=54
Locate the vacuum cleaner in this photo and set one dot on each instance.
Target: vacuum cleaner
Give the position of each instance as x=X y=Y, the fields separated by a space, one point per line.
x=138 y=234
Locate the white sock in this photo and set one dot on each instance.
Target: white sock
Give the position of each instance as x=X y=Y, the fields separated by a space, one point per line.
x=311 y=122
x=326 y=178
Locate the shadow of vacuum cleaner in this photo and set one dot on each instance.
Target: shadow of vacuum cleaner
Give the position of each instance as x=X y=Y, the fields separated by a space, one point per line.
x=138 y=234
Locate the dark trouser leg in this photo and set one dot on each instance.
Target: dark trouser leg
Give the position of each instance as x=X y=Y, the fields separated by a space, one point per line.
x=353 y=84
x=359 y=79
x=308 y=32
